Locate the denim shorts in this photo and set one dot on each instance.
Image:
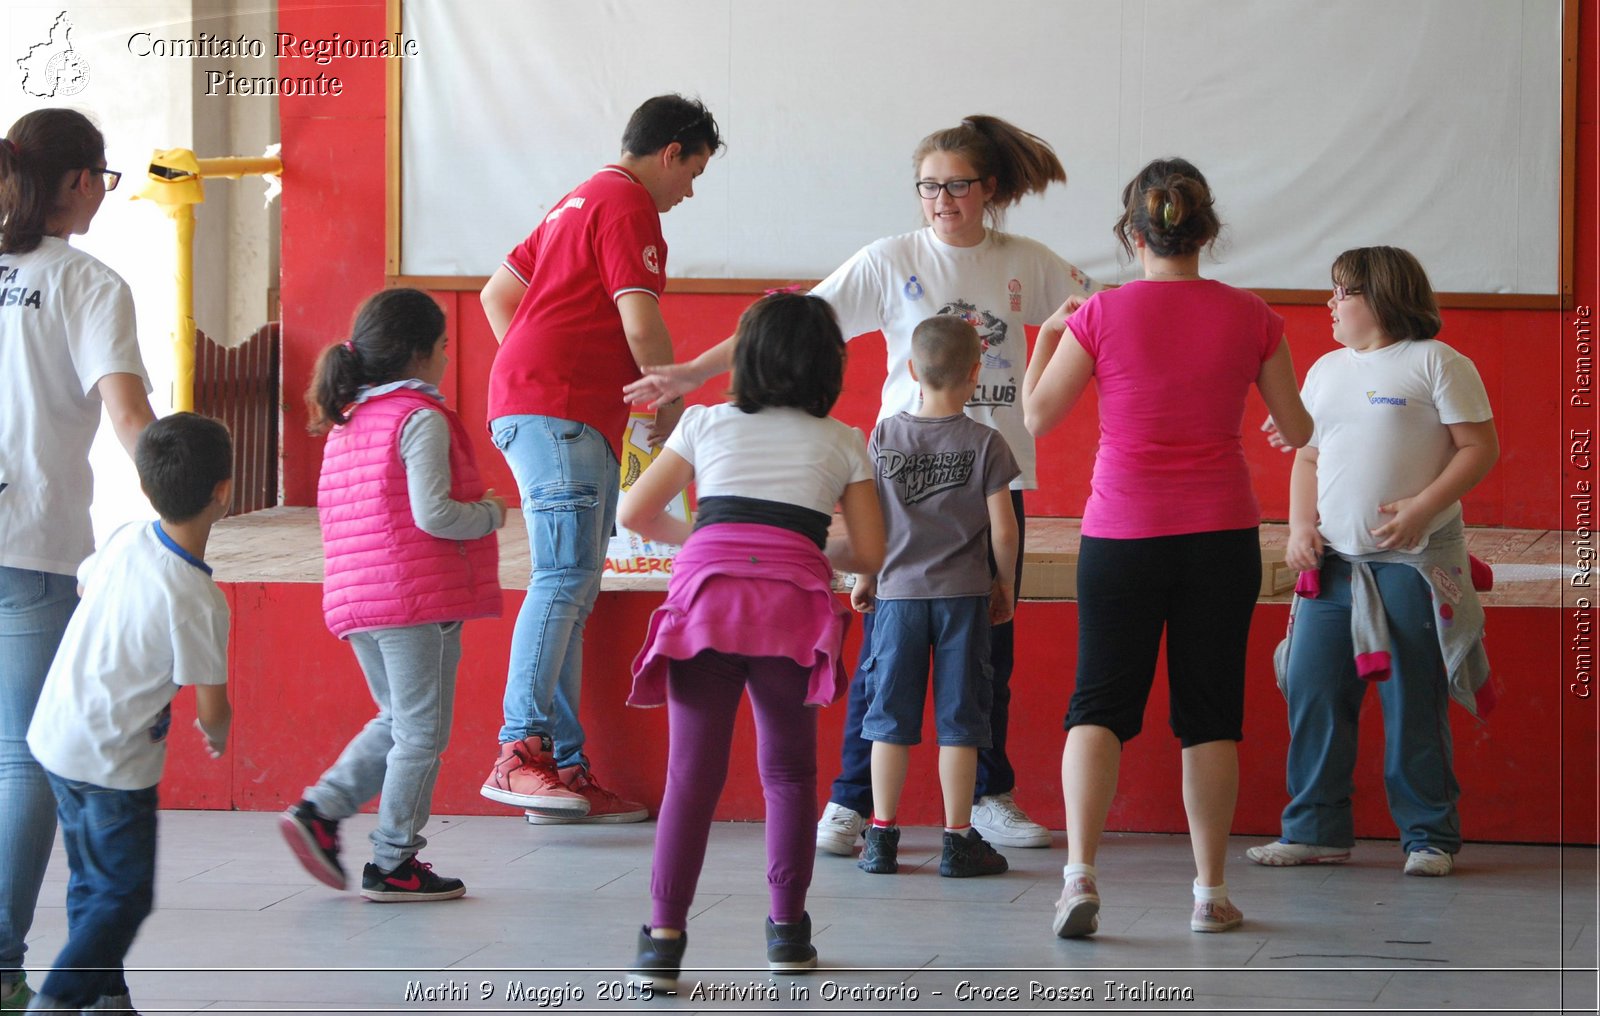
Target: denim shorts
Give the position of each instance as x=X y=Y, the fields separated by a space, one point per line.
x=956 y=630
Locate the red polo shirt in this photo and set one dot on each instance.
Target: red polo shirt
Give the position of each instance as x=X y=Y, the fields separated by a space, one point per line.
x=565 y=354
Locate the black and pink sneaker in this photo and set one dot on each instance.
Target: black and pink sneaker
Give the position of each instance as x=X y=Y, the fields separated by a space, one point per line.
x=315 y=842
x=412 y=882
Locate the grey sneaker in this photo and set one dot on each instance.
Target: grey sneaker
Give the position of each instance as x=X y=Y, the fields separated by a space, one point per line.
x=839 y=829
x=112 y=1003
x=659 y=961
x=967 y=855
x=789 y=945
x=1001 y=822
x=881 y=854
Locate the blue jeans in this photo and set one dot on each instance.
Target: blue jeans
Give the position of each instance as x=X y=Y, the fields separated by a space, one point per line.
x=567 y=477
x=34 y=610
x=853 y=788
x=1324 y=696
x=110 y=836
x=956 y=630
x=412 y=674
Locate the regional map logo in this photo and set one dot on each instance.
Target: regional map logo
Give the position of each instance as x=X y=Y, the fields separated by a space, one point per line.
x=53 y=69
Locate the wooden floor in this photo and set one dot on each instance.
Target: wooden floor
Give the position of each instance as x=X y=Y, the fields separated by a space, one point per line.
x=283 y=545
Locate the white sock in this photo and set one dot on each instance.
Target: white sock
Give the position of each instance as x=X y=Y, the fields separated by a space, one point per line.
x=1210 y=893
x=1069 y=870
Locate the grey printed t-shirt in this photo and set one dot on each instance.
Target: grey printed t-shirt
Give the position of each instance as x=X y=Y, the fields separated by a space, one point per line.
x=934 y=476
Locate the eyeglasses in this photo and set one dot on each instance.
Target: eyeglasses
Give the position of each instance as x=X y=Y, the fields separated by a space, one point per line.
x=956 y=188
x=111 y=176
x=1341 y=293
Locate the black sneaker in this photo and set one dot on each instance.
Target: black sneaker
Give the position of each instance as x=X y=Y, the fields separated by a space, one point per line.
x=659 y=962
x=315 y=842
x=881 y=854
x=968 y=855
x=789 y=945
x=412 y=882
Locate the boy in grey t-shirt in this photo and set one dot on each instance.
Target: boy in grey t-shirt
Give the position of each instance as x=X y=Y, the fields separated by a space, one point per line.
x=943 y=481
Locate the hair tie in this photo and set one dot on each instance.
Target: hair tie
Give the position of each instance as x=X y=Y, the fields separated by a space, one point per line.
x=350 y=344
x=796 y=288
x=12 y=145
x=1166 y=214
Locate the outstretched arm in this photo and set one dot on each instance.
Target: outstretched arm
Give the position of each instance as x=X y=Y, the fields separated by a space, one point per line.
x=664 y=382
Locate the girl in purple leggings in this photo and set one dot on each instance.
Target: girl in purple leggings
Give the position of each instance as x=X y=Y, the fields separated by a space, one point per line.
x=751 y=605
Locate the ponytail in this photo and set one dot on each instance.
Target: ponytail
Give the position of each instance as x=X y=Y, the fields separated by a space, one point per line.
x=391 y=331
x=1020 y=163
x=37 y=152
x=1170 y=205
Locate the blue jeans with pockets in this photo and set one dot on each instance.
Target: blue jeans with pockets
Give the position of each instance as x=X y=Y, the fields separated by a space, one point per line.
x=568 y=479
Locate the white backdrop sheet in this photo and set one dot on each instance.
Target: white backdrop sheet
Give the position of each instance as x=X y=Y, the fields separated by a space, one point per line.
x=1429 y=124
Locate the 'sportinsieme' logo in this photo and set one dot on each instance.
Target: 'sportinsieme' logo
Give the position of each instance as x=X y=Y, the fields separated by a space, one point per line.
x=53 y=69
x=652 y=260
x=1373 y=398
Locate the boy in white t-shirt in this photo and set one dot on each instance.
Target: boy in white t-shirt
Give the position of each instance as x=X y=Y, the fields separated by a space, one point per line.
x=151 y=619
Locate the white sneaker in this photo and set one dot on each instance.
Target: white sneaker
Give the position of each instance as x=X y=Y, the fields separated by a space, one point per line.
x=1283 y=854
x=1000 y=821
x=1430 y=862
x=838 y=829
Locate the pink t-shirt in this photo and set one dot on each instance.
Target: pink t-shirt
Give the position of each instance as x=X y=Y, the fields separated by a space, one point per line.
x=1173 y=362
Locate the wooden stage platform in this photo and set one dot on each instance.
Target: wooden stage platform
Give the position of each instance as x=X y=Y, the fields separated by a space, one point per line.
x=1526 y=772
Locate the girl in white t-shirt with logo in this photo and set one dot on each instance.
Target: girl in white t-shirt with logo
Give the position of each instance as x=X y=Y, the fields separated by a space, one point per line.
x=68 y=346
x=961 y=263
x=1403 y=432
x=751 y=606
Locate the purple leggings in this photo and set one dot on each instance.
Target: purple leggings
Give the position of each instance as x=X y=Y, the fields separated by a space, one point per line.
x=702 y=699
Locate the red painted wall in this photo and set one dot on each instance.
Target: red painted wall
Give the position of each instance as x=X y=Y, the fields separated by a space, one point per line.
x=293 y=716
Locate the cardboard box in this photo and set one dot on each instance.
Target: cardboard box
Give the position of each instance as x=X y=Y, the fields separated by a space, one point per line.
x=1049 y=576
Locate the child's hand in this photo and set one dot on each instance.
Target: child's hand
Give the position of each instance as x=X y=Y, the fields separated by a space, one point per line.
x=1304 y=550
x=1405 y=530
x=1002 y=604
x=660 y=385
x=667 y=416
x=214 y=746
x=863 y=595
x=1275 y=439
x=499 y=503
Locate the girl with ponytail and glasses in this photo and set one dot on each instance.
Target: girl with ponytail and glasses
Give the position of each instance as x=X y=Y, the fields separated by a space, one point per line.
x=1170 y=531
x=963 y=264
x=68 y=346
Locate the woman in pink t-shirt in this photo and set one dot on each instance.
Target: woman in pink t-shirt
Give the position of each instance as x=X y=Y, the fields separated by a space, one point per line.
x=1170 y=529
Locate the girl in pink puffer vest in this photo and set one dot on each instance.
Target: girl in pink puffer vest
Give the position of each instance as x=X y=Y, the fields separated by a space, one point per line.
x=409 y=537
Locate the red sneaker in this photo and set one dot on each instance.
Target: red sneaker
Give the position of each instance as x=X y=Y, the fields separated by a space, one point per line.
x=525 y=777
x=604 y=806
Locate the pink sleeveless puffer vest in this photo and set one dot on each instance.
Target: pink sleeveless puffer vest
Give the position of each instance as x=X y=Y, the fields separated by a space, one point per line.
x=381 y=570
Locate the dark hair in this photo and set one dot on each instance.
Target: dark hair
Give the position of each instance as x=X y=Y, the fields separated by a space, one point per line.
x=181 y=458
x=391 y=330
x=39 y=149
x=1396 y=288
x=1020 y=163
x=1169 y=204
x=944 y=348
x=668 y=118
x=788 y=351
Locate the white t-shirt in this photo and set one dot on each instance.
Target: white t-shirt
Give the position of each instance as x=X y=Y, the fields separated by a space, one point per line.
x=66 y=321
x=779 y=454
x=1381 y=432
x=999 y=286
x=151 y=619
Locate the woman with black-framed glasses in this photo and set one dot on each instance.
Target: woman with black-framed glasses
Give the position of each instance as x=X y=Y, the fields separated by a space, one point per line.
x=68 y=345
x=963 y=264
